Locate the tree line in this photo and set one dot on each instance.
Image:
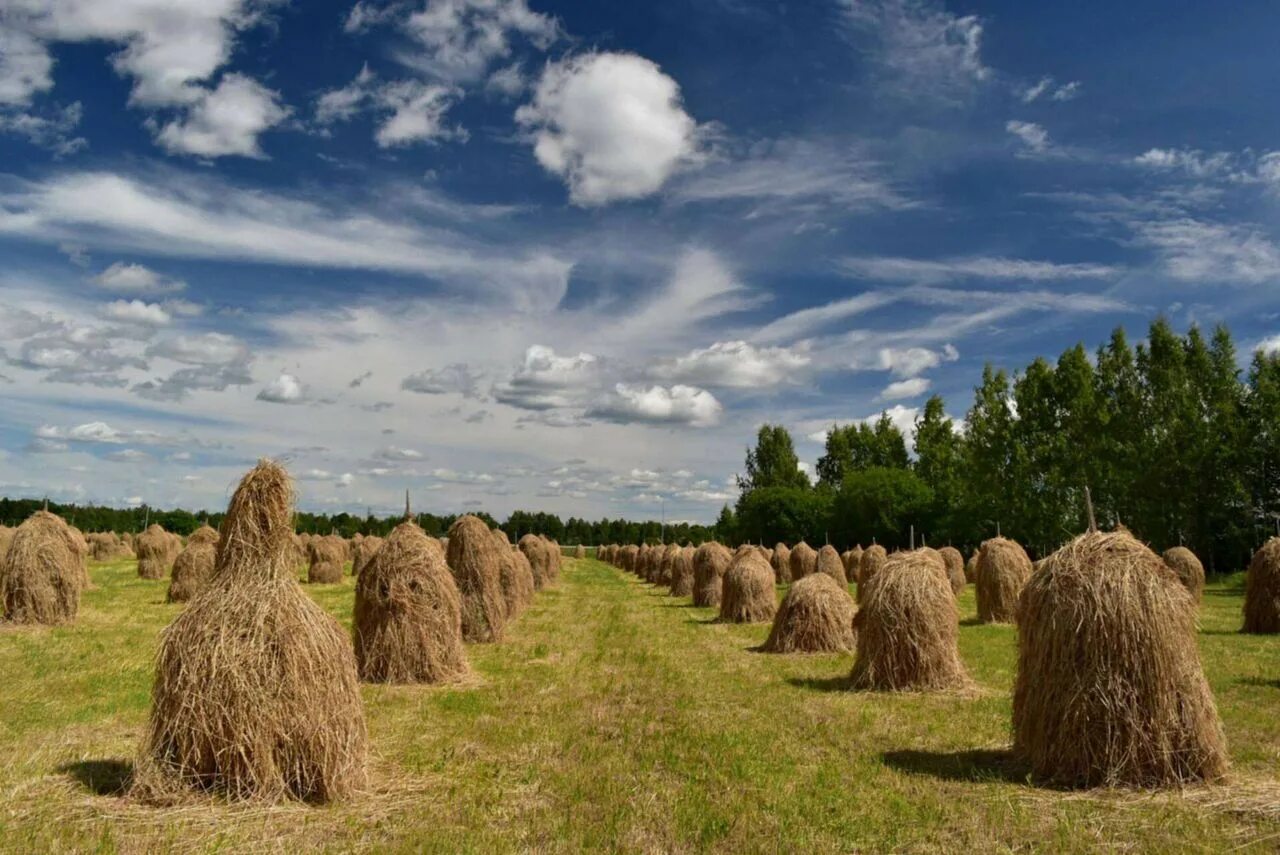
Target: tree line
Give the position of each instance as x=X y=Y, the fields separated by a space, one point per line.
x=1172 y=438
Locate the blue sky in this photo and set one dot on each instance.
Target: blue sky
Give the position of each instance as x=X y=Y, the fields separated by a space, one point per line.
x=568 y=256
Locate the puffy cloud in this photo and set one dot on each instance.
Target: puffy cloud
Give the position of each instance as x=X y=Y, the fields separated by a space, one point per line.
x=611 y=125
x=225 y=121
x=911 y=361
x=462 y=38
x=100 y=433
x=677 y=404
x=900 y=389
x=456 y=377
x=285 y=389
x=25 y=67
x=547 y=381
x=1269 y=345
x=735 y=364
x=136 y=312
x=1033 y=136
x=126 y=278
x=417 y=113
x=218 y=361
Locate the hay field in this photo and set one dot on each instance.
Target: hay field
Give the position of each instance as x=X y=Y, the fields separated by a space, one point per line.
x=614 y=717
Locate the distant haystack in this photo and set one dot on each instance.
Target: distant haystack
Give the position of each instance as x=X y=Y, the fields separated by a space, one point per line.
x=107 y=546
x=194 y=565
x=579 y=551
x=41 y=574
x=365 y=549
x=955 y=568
x=710 y=561
x=748 y=594
x=873 y=558
x=781 y=563
x=1110 y=690
x=971 y=567
x=517 y=576
x=1262 y=590
x=1188 y=568
x=666 y=563
x=851 y=559
x=803 y=561
x=156 y=552
x=630 y=555
x=326 y=557
x=476 y=561
x=1003 y=568
x=829 y=562
x=682 y=572
x=816 y=616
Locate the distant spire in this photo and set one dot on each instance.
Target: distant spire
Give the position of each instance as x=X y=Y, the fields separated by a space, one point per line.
x=408 y=515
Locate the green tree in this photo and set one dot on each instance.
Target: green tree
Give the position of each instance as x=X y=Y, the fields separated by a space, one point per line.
x=789 y=514
x=939 y=456
x=880 y=504
x=773 y=462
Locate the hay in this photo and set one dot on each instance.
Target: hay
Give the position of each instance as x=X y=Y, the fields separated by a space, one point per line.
x=476 y=561
x=803 y=561
x=1110 y=690
x=851 y=559
x=630 y=554
x=41 y=574
x=954 y=562
x=873 y=558
x=579 y=551
x=971 y=567
x=256 y=694
x=1262 y=590
x=748 y=594
x=156 y=552
x=6 y=537
x=907 y=629
x=538 y=552
x=682 y=572
x=780 y=561
x=408 y=613
x=666 y=563
x=106 y=546
x=1187 y=567
x=325 y=559
x=710 y=561
x=829 y=563
x=366 y=548
x=816 y=616
x=1003 y=568
x=516 y=574
x=194 y=565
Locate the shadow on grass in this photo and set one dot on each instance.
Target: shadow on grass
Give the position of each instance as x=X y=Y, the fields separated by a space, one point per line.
x=821 y=684
x=976 y=766
x=972 y=621
x=1259 y=682
x=1220 y=632
x=101 y=777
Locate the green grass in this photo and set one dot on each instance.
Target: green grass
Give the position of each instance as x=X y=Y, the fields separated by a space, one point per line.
x=616 y=718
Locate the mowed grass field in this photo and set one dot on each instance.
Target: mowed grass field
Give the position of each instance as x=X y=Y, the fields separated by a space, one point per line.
x=616 y=718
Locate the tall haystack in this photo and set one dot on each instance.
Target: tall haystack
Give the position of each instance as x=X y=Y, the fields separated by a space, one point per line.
x=748 y=595
x=954 y=561
x=256 y=694
x=630 y=555
x=408 y=613
x=851 y=559
x=829 y=563
x=1110 y=690
x=873 y=558
x=1187 y=566
x=476 y=561
x=816 y=616
x=194 y=565
x=1003 y=568
x=1262 y=590
x=365 y=549
x=325 y=559
x=803 y=561
x=667 y=562
x=682 y=572
x=41 y=574
x=579 y=551
x=971 y=567
x=710 y=561
x=780 y=561
x=156 y=552
x=908 y=628
x=517 y=575
x=540 y=559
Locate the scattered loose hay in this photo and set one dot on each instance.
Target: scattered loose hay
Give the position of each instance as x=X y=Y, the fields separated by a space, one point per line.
x=326 y=557
x=829 y=563
x=803 y=561
x=781 y=563
x=816 y=616
x=954 y=562
x=1184 y=563
x=873 y=558
x=1262 y=590
x=907 y=629
x=408 y=613
x=41 y=574
x=1110 y=690
x=156 y=552
x=710 y=561
x=256 y=694
x=366 y=548
x=476 y=561
x=748 y=594
x=194 y=565
x=1003 y=568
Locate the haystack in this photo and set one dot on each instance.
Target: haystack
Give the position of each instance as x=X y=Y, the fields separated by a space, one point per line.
x=748 y=595
x=667 y=562
x=256 y=694
x=537 y=551
x=325 y=559
x=476 y=561
x=873 y=558
x=366 y=548
x=1003 y=568
x=6 y=537
x=516 y=574
x=682 y=572
x=803 y=561
x=1110 y=690
x=780 y=561
x=156 y=552
x=579 y=551
x=971 y=567
x=710 y=561
x=107 y=546
x=194 y=565
x=1262 y=590
x=1189 y=570
x=954 y=562
x=816 y=616
x=829 y=563
x=41 y=574
x=851 y=559
x=408 y=613
x=907 y=629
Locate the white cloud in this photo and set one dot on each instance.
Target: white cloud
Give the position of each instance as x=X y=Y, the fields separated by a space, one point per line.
x=734 y=364
x=1269 y=346
x=417 y=113
x=546 y=381
x=900 y=389
x=508 y=81
x=25 y=67
x=128 y=455
x=1197 y=251
x=611 y=125
x=902 y=417
x=1048 y=88
x=1197 y=164
x=911 y=361
x=225 y=121
x=201 y=349
x=462 y=38
x=925 y=50
x=456 y=377
x=339 y=105
x=677 y=404
x=392 y=452
x=285 y=389
x=897 y=269
x=126 y=278
x=1033 y=136
x=136 y=312
x=50 y=128
x=100 y=433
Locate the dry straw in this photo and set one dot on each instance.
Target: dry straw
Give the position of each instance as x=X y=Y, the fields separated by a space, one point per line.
x=1262 y=590
x=536 y=550
x=41 y=573
x=156 y=552
x=873 y=558
x=828 y=562
x=516 y=574
x=682 y=572
x=851 y=559
x=816 y=616
x=326 y=557
x=1003 y=568
x=710 y=561
x=908 y=628
x=748 y=595
x=954 y=563
x=408 y=613
x=803 y=561
x=1189 y=570
x=1110 y=690
x=194 y=565
x=256 y=694
x=579 y=551
x=365 y=549
x=781 y=563
x=476 y=561
x=666 y=563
